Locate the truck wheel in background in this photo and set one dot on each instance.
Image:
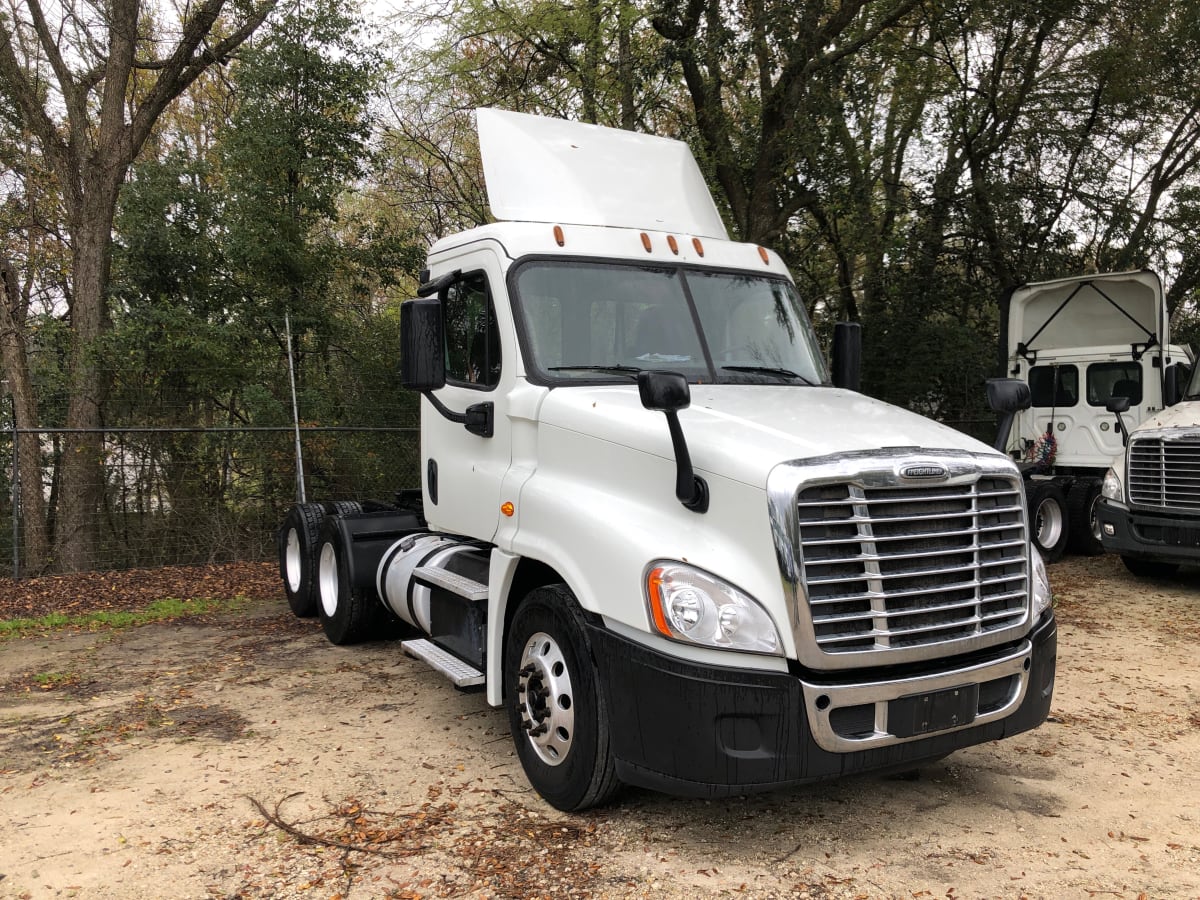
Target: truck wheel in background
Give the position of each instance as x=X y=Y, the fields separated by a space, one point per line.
x=348 y=616
x=1084 y=531
x=1149 y=568
x=556 y=708
x=1048 y=519
x=298 y=557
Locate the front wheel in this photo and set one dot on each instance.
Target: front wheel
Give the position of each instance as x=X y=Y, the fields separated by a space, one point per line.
x=1149 y=568
x=1048 y=519
x=556 y=706
x=1082 y=500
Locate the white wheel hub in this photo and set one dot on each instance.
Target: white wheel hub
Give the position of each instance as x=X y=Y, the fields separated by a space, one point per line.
x=327 y=579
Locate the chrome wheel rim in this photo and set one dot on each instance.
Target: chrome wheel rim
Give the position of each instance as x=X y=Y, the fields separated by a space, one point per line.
x=546 y=699
x=1049 y=523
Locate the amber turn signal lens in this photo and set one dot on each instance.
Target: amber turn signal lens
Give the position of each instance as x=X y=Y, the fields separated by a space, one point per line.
x=507 y=508
x=654 y=581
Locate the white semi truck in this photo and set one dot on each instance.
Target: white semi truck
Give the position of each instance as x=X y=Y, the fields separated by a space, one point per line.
x=653 y=527
x=1079 y=342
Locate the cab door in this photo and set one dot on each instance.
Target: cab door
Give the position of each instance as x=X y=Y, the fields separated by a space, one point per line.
x=462 y=471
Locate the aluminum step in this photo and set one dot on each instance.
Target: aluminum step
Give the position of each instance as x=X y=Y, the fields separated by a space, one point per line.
x=464 y=587
x=461 y=674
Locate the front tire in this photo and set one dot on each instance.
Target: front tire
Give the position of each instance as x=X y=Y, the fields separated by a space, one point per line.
x=1048 y=519
x=557 y=711
x=1082 y=500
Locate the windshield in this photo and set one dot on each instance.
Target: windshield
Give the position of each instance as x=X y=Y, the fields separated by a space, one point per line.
x=1193 y=388
x=600 y=321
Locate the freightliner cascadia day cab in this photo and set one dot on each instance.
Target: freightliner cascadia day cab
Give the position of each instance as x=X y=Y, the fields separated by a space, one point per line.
x=1080 y=343
x=650 y=525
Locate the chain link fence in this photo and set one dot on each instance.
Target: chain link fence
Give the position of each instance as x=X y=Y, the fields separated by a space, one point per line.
x=177 y=496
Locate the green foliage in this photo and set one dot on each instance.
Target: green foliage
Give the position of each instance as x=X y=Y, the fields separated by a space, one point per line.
x=157 y=611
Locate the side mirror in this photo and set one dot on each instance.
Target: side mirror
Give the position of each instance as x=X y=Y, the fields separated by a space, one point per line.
x=422 y=359
x=1176 y=377
x=668 y=392
x=1007 y=396
x=1118 y=405
x=847 y=355
x=664 y=391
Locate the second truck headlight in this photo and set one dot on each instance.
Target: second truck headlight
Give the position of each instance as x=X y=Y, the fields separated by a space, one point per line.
x=1042 y=597
x=1112 y=488
x=689 y=604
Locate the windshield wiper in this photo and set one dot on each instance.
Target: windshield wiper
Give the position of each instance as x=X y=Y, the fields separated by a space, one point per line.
x=767 y=370
x=615 y=369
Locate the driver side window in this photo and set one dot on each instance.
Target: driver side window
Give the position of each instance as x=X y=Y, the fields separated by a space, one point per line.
x=472 y=336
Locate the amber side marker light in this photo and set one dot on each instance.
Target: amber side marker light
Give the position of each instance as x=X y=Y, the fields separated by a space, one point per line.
x=646 y=241
x=507 y=508
x=762 y=252
x=654 y=582
x=559 y=238
x=673 y=244
x=699 y=246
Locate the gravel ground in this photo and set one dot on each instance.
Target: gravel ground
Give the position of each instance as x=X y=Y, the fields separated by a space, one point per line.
x=239 y=754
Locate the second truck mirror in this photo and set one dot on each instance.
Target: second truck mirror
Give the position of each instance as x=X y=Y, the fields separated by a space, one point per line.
x=847 y=355
x=1007 y=396
x=422 y=359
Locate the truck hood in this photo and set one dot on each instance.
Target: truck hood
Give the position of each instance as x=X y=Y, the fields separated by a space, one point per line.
x=1112 y=309
x=1181 y=415
x=743 y=431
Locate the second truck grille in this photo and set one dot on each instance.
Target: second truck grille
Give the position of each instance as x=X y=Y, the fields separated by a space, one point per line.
x=901 y=567
x=1165 y=473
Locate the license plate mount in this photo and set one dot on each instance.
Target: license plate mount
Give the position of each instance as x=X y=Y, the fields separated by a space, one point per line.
x=934 y=711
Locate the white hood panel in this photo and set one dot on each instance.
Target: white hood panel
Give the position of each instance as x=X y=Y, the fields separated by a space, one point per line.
x=743 y=431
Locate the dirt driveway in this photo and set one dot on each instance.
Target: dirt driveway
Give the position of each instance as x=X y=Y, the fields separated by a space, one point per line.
x=241 y=755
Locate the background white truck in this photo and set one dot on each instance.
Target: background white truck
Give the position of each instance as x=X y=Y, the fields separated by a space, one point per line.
x=1078 y=342
x=650 y=524
x=1150 y=511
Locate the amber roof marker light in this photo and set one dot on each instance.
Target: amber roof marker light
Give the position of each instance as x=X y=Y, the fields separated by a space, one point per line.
x=559 y=238
x=762 y=252
x=673 y=244
x=699 y=246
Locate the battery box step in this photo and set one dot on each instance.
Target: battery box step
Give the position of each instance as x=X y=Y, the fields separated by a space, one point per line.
x=461 y=674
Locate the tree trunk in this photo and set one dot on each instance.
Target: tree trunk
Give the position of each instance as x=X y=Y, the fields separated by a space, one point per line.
x=35 y=553
x=77 y=535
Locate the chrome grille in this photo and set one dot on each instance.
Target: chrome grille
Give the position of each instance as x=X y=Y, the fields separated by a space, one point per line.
x=895 y=567
x=1165 y=473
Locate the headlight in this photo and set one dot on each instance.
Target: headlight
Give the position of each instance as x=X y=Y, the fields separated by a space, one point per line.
x=1041 y=584
x=687 y=604
x=1112 y=488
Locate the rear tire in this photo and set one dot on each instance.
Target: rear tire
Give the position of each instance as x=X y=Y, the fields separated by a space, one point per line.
x=557 y=710
x=1048 y=519
x=347 y=615
x=1149 y=568
x=1084 y=534
x=298 y=540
